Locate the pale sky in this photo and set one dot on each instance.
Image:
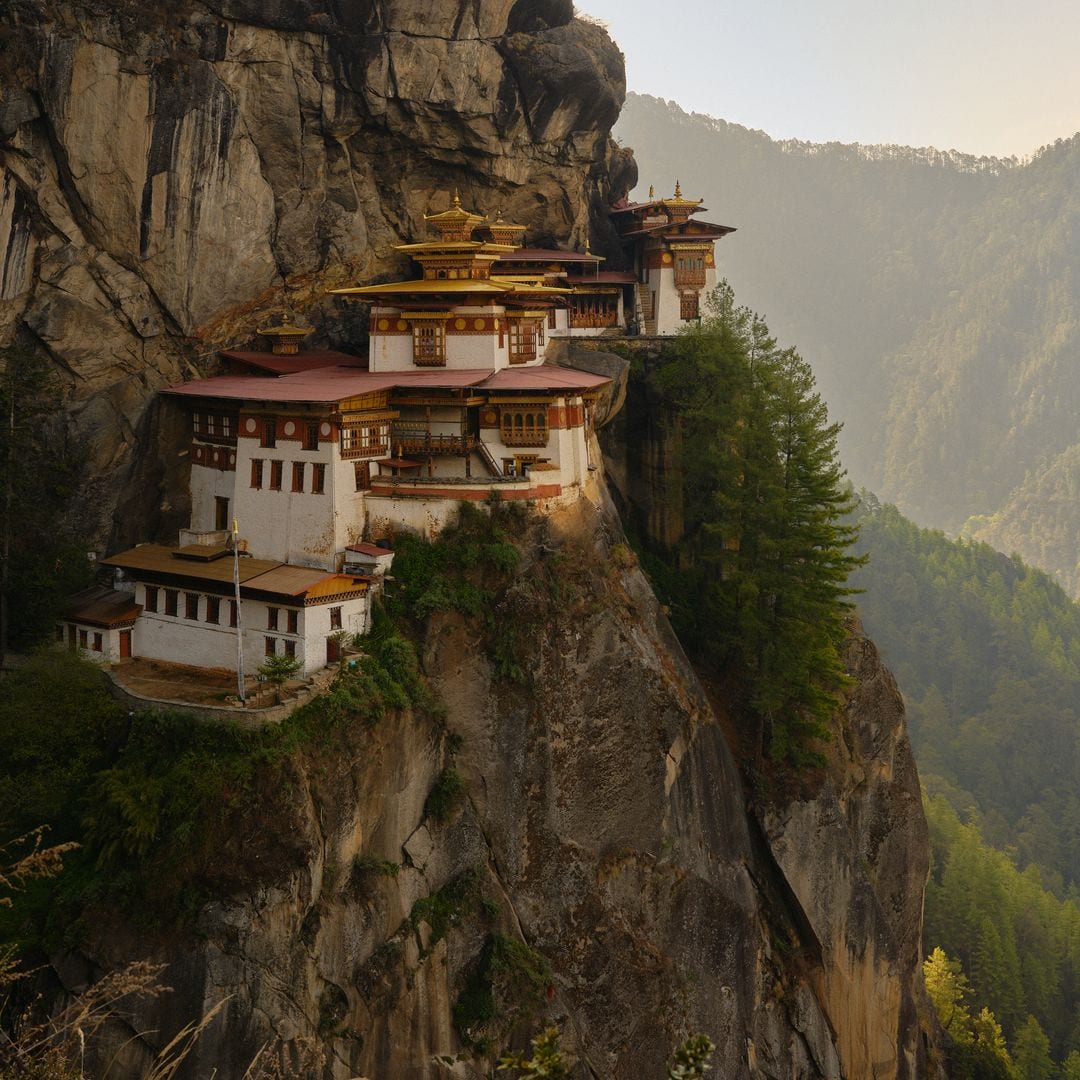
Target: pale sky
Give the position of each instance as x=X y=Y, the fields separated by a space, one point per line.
x=983 y=76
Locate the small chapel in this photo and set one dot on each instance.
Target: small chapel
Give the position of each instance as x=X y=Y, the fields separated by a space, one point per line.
x=304 y=463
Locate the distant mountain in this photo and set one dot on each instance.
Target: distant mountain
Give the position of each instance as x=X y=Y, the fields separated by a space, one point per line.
x=936 y=294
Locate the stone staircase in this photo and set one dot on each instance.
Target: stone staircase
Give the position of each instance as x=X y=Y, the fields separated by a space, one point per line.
x=645 y=306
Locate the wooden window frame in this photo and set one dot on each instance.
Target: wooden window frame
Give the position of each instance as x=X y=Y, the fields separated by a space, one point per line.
x=269 y=646
x=298 y=470
x=429 y=343
x=268 y=437
x=96 y=642
x=213 y=610
x=272 y=617
x=311 y=436
x=524 y=426
x=277 y=471
x=524 y=340
x=172 y=602
x=191 y=606
x=290 y=648
x=256 y=474
x=318 y=478
x=335 y=618
x=292 y=620
x=150 y=598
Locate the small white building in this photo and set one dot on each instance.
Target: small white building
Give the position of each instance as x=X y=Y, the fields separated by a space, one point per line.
x=187 y=612
x=99 y=623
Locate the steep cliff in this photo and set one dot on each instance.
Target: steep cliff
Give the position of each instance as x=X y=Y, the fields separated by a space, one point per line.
x=598 y=867
x=168 y=175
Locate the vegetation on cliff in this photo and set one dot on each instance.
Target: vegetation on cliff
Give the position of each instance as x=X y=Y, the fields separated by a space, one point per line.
x=758 y=586
x=41 y=562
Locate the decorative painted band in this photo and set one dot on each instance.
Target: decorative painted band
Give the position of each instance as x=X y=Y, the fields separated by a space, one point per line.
x=464 y=494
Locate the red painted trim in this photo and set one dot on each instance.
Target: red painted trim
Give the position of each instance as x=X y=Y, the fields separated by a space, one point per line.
x=540 y=491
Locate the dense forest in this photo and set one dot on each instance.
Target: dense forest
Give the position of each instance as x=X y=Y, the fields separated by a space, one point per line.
x=936 y=293
x=987 y=652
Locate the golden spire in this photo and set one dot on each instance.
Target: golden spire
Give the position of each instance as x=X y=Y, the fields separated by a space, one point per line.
x=652 y=193
x=678 y=190
x=457 y=199
x=285 y=337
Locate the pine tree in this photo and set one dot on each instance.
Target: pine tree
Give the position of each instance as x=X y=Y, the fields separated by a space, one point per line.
x=1031 y=1052
x=766 y=507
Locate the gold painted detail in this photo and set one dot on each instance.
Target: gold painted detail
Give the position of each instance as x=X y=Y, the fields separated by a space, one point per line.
x=523 y=426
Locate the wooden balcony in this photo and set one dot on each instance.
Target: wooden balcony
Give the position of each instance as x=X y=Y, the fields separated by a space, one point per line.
x=527 y=437
x=419 y=440
x=371 y=449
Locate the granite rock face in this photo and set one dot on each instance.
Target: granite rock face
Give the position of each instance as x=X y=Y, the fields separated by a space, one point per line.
x=604 y=823
x=170 y=174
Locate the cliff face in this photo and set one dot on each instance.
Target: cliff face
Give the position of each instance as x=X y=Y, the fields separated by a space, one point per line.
x=169 y=175
x=604 y=823
x=164 y=172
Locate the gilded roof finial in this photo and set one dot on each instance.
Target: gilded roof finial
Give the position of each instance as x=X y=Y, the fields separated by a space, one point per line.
x=678 y=190
x=587 y=251
x=457 y=200
x=652 y=193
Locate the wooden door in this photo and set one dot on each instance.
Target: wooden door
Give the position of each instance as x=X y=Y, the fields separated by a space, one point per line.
x=333 y=649
x=125 y=644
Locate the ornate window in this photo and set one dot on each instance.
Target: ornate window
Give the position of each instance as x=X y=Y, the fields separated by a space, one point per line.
x=429 y=343
x=523 y=340
x=688 y=305
x=364 y=438
x=689 y=270
x=524 y=426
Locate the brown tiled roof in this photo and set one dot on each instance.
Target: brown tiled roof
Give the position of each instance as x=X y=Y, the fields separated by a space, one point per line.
x=101 y=606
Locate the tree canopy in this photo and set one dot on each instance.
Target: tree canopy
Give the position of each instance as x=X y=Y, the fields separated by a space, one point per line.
x=758 y=586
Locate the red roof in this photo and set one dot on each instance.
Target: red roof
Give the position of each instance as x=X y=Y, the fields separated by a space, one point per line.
x=543 y=377
x=288 y=365
x=609 y=277
x=369 y=549
x=548 y=255
x=330 y=385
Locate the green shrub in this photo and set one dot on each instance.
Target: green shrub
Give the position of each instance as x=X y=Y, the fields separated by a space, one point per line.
x=445 y=795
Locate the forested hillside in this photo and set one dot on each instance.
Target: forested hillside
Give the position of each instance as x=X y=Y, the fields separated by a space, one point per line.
x=936 y=296
x=987 y=652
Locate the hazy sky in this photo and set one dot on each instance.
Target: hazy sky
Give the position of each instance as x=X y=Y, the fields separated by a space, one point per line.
x=984 y=76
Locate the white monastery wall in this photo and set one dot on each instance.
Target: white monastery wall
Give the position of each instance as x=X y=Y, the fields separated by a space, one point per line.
x=292 y=526
x=208 y=484
x=195 y=642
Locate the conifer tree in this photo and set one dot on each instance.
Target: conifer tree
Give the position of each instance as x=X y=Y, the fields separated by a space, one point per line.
x=764 y=572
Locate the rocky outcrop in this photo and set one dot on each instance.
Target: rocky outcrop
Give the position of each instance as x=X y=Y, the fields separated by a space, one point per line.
x=604 y=826
x=170 y=174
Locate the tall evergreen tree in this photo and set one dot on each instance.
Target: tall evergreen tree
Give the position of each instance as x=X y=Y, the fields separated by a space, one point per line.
x=761 y=583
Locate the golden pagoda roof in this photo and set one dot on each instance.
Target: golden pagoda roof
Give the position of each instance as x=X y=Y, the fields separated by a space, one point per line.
x=455 y=246
x=285 y=328
x=678 y=200
x=455 y=215
x=458 y=286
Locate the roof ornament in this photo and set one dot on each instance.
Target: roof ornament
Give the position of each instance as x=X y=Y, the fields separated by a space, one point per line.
x=285 y=337
x=652 y=192
x=457 y=199
x=678 y=190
